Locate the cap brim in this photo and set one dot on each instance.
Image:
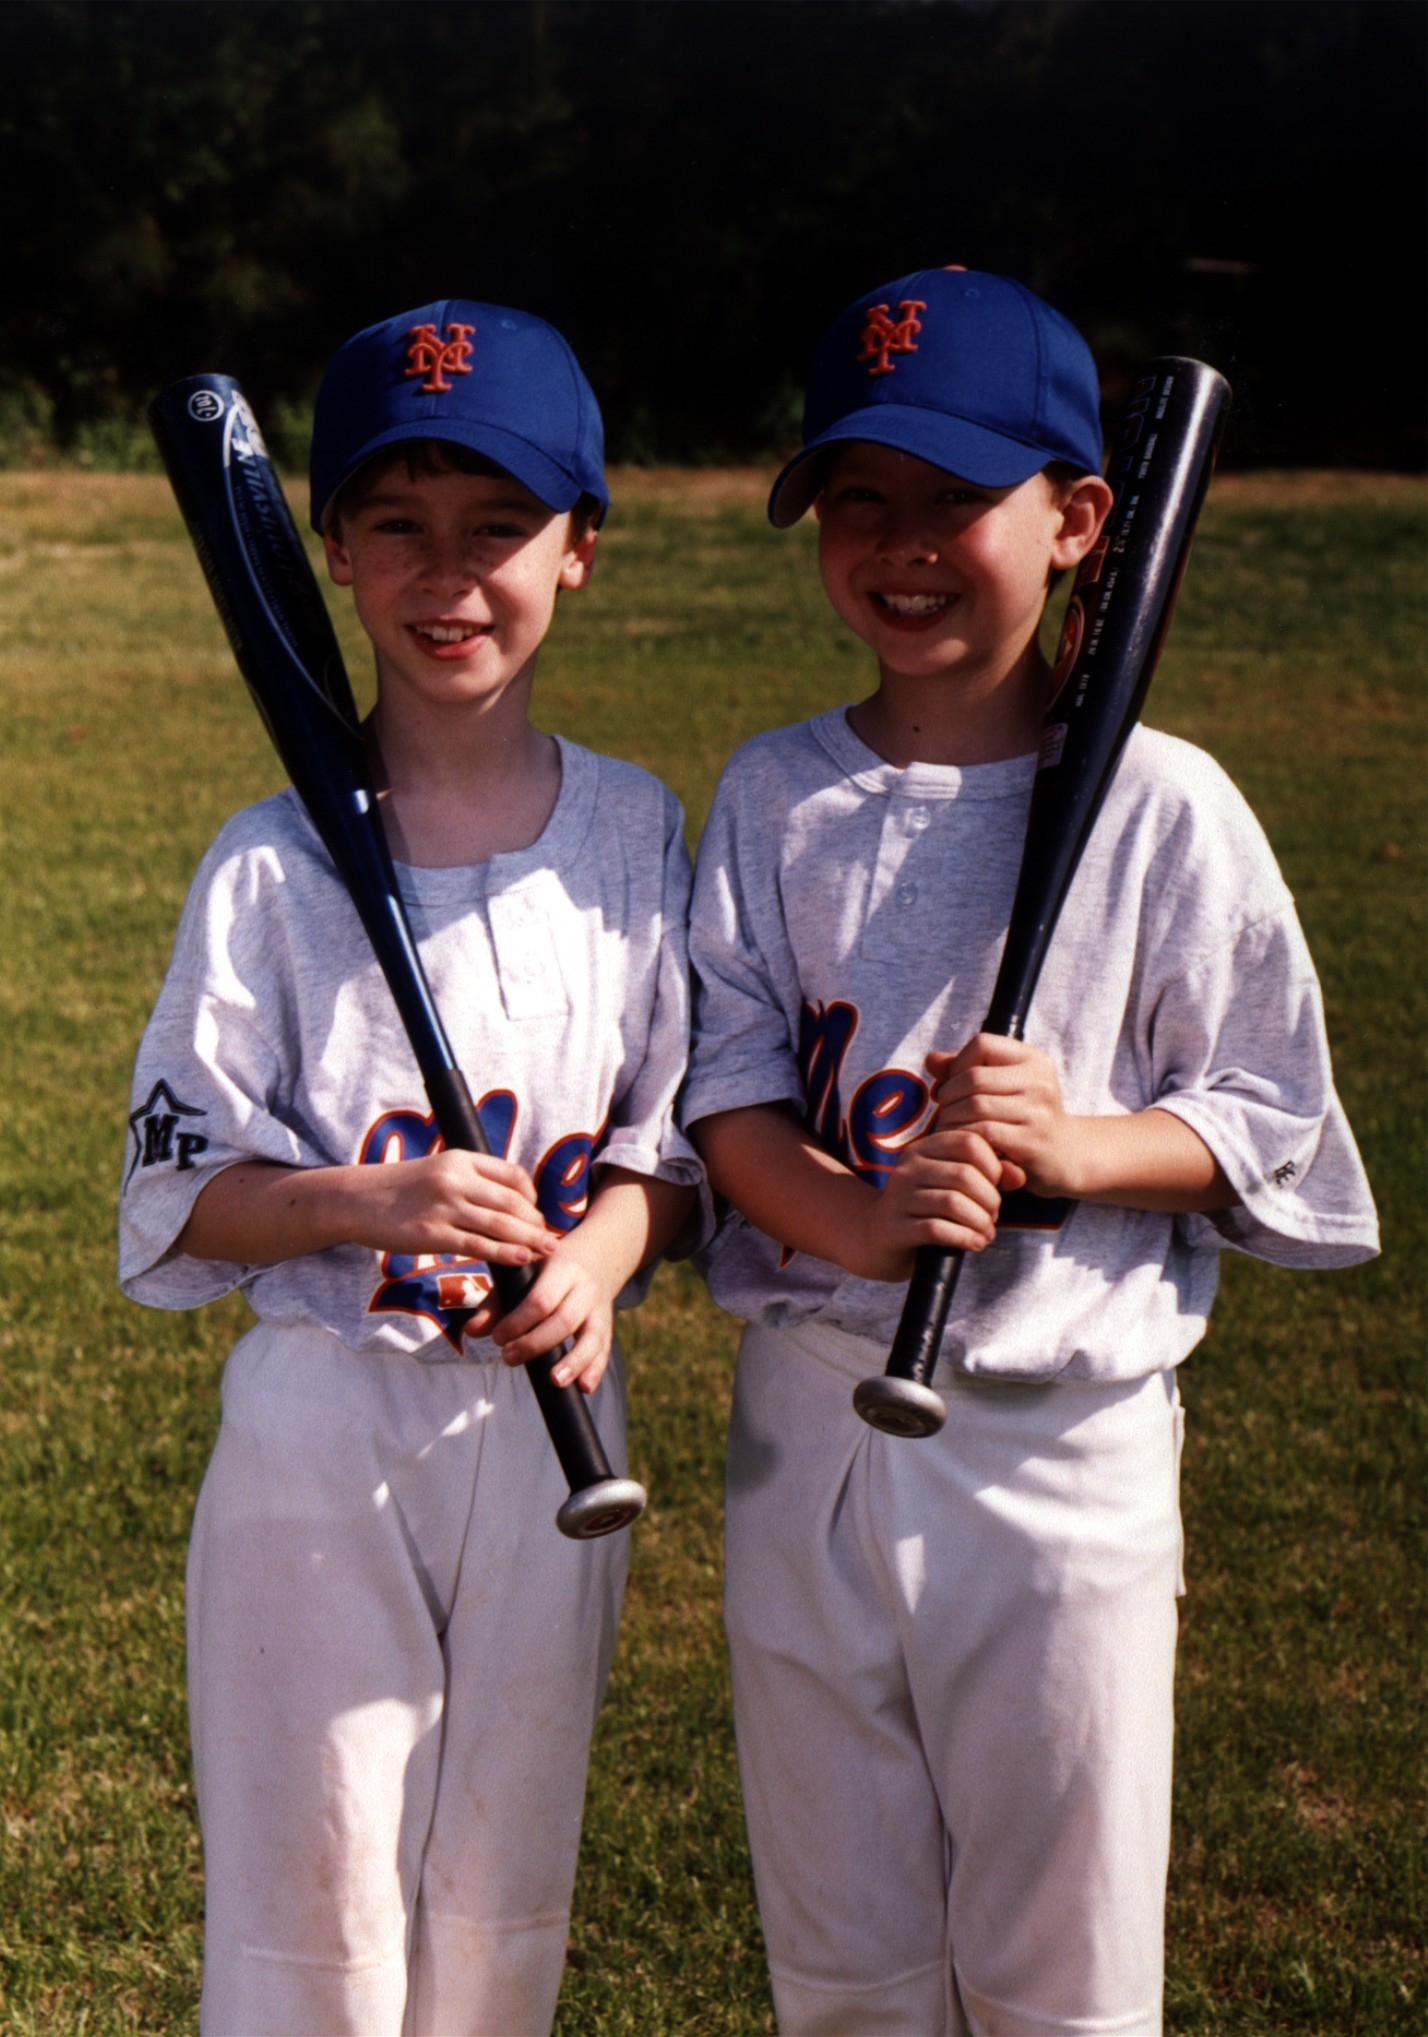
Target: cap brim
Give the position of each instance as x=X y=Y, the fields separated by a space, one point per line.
x=986 y=458
x=549 y=483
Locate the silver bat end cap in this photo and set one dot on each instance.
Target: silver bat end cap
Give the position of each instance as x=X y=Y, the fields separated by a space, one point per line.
x=899 y=1407
x=601 y=1509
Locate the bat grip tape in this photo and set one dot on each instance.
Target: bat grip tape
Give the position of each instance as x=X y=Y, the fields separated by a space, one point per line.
x=935 y=1273
x=924 y=1316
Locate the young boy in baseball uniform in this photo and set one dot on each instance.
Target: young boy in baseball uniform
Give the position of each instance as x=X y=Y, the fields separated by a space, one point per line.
x=953 y=1657
x=395 y=1660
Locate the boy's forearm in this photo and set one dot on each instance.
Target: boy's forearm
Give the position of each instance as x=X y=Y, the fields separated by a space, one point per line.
x=1149 y=1160
x=256 y=1213
x=631 y=1218
x=773 y=1171
x=768 y=1165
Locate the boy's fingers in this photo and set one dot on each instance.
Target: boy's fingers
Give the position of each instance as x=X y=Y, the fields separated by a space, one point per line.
x=495 y=1251
x=508 y=1171
x=500 y=1199
x=1011 y=1080
x=511 y=1224
x=959 y=1146
x=512 y=1229
x=994 y=1050
x=957 y=1206
x=949 y=1236
x=529 y=1313
x=584 y=1363
x=490 y=1177
x=549 y=1314
x=981 y=1051
x=963 y=1190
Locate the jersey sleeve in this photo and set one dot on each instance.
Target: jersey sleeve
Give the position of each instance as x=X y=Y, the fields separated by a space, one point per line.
x=211 y=1083
x=744 y=1049
x=1243 y=1055
x=1234 y=1027
x=643 y=1135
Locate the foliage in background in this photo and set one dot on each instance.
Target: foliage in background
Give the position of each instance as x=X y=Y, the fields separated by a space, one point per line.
x=126 y=738
x=692 y=190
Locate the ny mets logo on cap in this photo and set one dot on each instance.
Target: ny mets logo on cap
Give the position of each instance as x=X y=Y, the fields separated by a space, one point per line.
x=434 y=357
x=883 y=334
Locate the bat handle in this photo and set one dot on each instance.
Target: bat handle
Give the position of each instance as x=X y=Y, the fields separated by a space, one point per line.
x=899 y=1400
x=599 y=1502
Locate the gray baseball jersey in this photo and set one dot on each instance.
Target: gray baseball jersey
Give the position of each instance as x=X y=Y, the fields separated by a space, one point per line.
x=560 y=973
x=849 y=917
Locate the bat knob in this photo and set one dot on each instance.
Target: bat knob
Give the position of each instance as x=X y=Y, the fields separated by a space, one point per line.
x=899 y=1407
x=601 y=1509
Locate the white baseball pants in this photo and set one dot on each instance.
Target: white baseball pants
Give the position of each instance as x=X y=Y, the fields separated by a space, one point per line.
x=395 y=1662
x=953 y=1662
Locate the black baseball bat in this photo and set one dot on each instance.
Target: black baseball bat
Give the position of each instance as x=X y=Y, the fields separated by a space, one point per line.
x=282 y=638
x=1115 y=624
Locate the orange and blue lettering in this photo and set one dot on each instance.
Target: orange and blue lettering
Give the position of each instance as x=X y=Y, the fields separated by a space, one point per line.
x=443 y=1288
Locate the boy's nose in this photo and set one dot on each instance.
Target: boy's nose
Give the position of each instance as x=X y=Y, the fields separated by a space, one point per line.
x=906 y=538
x=450 y=561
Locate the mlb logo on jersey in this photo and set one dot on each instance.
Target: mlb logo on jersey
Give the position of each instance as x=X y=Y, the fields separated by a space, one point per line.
x=463 y=1290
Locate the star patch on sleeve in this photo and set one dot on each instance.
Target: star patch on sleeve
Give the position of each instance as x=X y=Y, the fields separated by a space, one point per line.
x=157 y=1140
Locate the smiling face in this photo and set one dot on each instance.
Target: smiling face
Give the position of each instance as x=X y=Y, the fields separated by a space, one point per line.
x=942 y=579
x=454 y=576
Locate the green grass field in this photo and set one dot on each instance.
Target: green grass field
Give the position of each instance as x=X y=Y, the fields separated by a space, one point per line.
x=1297 y=1880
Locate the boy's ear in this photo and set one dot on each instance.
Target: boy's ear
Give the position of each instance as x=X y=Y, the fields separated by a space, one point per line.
x=339 y=564
x=579 y=562
x=1084 y=507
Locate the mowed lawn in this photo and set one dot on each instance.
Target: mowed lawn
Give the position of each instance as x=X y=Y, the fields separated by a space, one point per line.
x=126 y=737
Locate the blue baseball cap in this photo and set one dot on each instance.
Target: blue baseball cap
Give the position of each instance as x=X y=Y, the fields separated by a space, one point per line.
x=968 y=371
x=499 y=382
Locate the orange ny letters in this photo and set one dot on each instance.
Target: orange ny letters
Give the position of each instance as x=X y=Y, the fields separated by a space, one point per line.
x=884 y=335
x=434 y=357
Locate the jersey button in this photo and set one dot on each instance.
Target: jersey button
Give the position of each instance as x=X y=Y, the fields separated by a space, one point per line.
x=918 y=820
x=907 y=893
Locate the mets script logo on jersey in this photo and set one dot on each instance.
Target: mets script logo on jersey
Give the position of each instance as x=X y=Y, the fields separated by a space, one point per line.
x=158 y=1142
x=444 y=1289
x=883 y=334
x=434 y=357
x=887 y=1111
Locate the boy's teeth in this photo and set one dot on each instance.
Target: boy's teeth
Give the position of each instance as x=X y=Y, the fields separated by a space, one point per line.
x=445 y=633
x=914 y=604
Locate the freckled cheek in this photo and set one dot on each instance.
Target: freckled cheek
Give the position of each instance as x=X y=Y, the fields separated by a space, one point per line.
x=372 y=603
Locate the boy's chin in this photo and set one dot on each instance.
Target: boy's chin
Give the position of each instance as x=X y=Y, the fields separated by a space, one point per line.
x=911 y=664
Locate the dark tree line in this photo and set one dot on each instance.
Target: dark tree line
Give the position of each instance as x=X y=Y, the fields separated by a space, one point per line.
x=690 y=188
